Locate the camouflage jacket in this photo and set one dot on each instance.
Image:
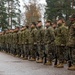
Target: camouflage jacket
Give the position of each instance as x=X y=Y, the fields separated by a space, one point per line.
x=33 y=38
x=40 y=35
x=61 y=35
x=49 y=35
x=71 y=40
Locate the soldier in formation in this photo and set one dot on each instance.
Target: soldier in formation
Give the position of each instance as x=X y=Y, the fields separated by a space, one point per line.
x=49 y=38
x=55 y=42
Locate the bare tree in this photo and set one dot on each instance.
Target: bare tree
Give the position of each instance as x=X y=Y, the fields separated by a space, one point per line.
x=32 y=12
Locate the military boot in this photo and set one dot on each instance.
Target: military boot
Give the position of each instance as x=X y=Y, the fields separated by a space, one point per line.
x=60 y=65
x=32 y=59
x=72 y=67
x=40 y=60
x=17 y=55
x=25 y=58
x=48 y=63
x=21 y=56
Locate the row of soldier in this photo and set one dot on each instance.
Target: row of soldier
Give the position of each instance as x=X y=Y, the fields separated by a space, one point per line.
x=54 y=42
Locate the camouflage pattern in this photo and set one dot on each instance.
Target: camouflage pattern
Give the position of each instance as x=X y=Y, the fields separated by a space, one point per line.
x=71 y=41
x=49 y=42
x=26 y=35
x=61 y=41
x=19 y=44
x=40 y=41
x=37 y=42
x=15 y=43
x=33 y=42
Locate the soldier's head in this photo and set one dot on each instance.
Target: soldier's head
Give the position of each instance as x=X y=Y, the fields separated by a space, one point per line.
x=16 y=29
x=54 y=25
x=60 y=22
x=48 y=23
x=33 y=25
x=7 y=31
x=72 y=18
x=23 y=28
x=39 y=24
x=11 y=30
x=27 y=27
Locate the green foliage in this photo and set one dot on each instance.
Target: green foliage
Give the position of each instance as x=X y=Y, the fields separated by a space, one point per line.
x=9 y=13
x=61 y=8
x=3 y=15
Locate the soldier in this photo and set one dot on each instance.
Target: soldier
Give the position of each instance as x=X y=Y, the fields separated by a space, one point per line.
x=26 y=35
x=60 y=41
x=54 y=25
x=11 y=39
x=21 y=41
x=33 y=41
x=0 y=41
x=49 y=42
x=40 y=42
x=15 y=41
x=71 y=43
x=7 y=40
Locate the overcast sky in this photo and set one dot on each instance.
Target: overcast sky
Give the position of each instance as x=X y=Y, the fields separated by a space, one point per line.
x=26 y=1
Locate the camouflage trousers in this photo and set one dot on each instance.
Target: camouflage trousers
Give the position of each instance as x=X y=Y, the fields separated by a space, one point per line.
x=60 y=53
x=26 y=50
x=7 y=47
x=21 y=50
x=13 y=48
x=40 y=50
x=0 y=46
x=49 y=51
x=72 y=54
x=18 y=49
x=3 y=47
x=33 y=49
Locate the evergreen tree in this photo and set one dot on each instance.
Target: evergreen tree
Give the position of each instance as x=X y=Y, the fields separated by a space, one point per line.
x=60 y=8
x=3 y=15
x=13 y=12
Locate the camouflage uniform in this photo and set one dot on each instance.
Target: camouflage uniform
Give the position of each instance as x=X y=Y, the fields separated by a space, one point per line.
x=19 y=44
x=33 y=43
x=5 y=42
x=9 y=42
x=60 y=41
x=2 y=38
x=40 y=43
x=1 y=41
x=49 y=43
x=26 y=34
x=71 y=45
x=7 y=47
x=15 y=43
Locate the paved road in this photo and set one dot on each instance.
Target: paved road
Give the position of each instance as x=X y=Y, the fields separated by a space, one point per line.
x=10 y=65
